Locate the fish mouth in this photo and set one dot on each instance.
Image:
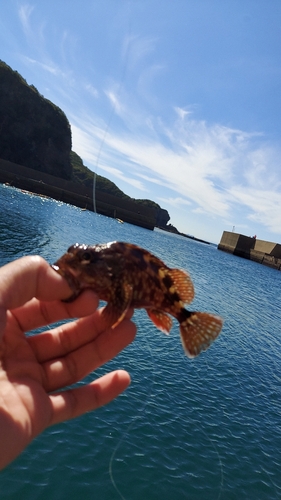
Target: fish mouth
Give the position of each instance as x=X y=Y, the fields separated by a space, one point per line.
x=72 y=282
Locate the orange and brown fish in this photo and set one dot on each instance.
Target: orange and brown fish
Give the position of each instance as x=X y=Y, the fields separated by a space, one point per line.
x=125 y=275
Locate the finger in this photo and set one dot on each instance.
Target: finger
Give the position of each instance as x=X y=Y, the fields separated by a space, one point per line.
x=26 y=278
x=36 y=313
x=30 y=277
x=73 y=367
x=74 y=402
x=69 y=337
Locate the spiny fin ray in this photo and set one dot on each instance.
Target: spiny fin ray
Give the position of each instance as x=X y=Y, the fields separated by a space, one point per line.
x=160 y=320
x=114 y=312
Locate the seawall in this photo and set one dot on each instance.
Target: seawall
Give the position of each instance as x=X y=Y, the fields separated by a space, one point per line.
x=263 y=252
x=78 y=195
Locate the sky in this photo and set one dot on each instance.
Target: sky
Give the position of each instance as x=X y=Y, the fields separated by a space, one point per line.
x=175 y=101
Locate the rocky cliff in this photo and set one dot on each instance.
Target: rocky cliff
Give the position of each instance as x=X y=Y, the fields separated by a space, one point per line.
x=35 y=134
x=39 y=129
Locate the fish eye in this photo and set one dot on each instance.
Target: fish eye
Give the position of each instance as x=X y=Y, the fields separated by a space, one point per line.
x=86 y=257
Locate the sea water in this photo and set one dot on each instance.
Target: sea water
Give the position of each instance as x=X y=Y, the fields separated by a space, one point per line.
x=208 y=428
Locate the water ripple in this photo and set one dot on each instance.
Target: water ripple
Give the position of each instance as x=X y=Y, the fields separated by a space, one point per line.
x=202 y=429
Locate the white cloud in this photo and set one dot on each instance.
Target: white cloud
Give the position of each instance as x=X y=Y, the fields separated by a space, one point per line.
x=263 y=171
x=175 y=202
x=92 y=90
x=87 y=144
x=190 y=174
x=46 y=53
x=264 y=206
x=25 y=12
x=213 y=169
x=34 y=31
x=154 y=180
x=50 y=68
x=136 y=49
x=120 y=175
x=182 y=113
x=113 y=98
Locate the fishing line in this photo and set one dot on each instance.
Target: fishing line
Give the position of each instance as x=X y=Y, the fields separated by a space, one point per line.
x=106 y=131
x=220 y=461
x=113 y=109
x=216 y=451
x=149 y=394
x=135 y=418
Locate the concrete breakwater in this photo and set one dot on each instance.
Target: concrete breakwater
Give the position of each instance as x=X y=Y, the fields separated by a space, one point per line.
x=263 y=252
x=78 y=195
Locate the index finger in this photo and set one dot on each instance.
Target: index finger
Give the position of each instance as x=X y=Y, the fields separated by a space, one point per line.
x=29 y=277
x=26 y=278
x=35 y=313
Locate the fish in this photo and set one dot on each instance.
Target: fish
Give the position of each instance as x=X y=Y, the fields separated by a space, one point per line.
x=127 y=276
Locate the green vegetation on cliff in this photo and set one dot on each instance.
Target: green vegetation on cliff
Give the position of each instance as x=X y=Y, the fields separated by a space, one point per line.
x=83 y=175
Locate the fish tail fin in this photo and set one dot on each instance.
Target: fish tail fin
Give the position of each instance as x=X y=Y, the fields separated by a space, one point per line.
x=198 y=331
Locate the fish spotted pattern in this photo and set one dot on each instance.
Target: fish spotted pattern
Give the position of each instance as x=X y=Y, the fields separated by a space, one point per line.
x=125 y=275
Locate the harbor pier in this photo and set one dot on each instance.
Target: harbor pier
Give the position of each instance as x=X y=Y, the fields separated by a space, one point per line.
x=261 y=251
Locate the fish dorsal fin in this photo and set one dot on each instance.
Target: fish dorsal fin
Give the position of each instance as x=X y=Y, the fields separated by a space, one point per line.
x=198 y=331
x=116 y=309
x=160 y=320
x=183 y=285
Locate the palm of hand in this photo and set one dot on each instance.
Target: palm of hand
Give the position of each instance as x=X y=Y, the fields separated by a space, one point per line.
x=35 y=369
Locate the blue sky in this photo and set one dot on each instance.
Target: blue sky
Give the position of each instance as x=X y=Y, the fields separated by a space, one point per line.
x=176 y=101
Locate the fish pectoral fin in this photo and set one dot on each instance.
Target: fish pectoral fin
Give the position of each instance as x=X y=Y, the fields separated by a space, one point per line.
x=183 y=285
x=116 y=309
x=160 y=319
x=198 y=331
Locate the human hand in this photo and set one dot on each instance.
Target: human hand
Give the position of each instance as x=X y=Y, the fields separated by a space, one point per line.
x=32 y=367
